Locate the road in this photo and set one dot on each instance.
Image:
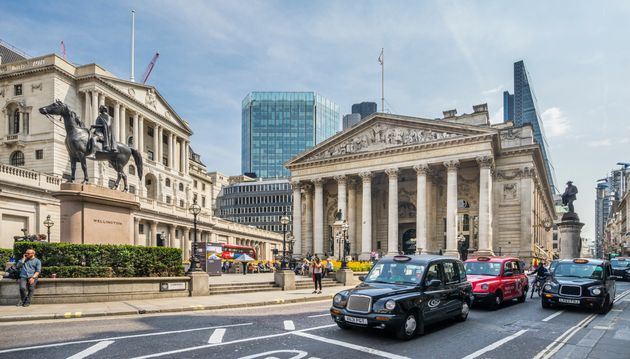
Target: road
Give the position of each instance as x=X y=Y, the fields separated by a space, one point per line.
x=307 y=331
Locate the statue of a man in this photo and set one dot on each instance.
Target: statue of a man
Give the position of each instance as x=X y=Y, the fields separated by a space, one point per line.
x=338 y=215
x=103 y=126
x=569 y=196
x=462 y=246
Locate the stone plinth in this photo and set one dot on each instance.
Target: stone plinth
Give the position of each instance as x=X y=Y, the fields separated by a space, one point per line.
x=285 y=279
x=95 y=215
x=199 y=284
x=346 y=277
x=570 y=238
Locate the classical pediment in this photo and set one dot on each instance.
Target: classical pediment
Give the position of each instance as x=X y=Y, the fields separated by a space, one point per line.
x=388 y=132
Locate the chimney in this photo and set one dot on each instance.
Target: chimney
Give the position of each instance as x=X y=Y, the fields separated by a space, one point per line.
x=483 y=107
x=449 y=113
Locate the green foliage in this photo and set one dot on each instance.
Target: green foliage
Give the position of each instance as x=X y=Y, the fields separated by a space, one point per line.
x=124 y=261
x=5 y=254
x=77 y=272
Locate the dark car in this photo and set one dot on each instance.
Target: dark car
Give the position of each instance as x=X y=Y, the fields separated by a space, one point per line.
x=621 y=267
x=584 y=283
x=403 y=293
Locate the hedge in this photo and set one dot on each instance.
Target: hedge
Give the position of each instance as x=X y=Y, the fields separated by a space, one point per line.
x=124 y=261
x=5 y=254
x=77 y=272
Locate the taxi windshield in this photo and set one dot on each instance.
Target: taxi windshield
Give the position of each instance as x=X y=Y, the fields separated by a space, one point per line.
x=616 y=263
x=578 y=270
x=395 y=273
x=483 y=268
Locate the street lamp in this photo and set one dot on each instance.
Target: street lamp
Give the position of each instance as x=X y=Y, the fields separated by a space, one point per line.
x=48 y=223
x=195 y=266
x=284 y=220
x=344 y=239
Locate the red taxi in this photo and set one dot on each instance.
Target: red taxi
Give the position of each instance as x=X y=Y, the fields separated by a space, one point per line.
x=497 y=279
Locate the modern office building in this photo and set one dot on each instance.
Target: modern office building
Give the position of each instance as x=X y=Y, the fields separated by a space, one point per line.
x=259 y=203
x=521 y=108
x=610 y=208
x=276 y=126
x=364 y=108
x=351 y=119
x=602 y=211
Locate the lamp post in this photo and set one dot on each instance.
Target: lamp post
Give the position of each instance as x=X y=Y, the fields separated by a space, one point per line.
x=344 y=239
x=284 y=220
x=48 y=223
x=195 y=266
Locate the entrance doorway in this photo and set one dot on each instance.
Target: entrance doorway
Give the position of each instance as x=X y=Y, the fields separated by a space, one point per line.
x=409 y=241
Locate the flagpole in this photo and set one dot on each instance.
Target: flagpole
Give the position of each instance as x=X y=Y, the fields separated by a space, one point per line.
x=382 y=79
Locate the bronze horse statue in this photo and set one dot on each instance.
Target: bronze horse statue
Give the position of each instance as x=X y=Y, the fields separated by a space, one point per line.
x=81 y=144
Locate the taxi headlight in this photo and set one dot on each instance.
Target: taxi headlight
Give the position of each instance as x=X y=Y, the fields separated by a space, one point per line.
x=596 y=291
x=548 y=287
x=390 y=304
x=337 y=299
x=484 y=286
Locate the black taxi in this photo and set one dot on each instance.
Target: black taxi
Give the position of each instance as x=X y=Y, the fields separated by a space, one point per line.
x=621 y=267
x=403 y=293
x=580 y=282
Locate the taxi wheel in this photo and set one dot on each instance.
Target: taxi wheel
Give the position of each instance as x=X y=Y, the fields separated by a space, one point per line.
x=408 y=328
x=605 y=307
x=463 y=315
x=545 y=303
x=523 y=297
x=497 y=300
x=343 y=326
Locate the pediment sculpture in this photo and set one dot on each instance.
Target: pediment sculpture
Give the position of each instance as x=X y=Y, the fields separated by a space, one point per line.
x=382 y=136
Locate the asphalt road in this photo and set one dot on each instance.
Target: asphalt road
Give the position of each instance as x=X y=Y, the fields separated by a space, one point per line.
x=306 y=331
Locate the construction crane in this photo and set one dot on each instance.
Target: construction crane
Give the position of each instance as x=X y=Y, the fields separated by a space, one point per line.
x=149 y=69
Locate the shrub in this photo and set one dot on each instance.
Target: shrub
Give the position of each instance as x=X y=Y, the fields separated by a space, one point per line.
x=356 y=266
x=5 y=254
x=77 y=272
x=124 y=261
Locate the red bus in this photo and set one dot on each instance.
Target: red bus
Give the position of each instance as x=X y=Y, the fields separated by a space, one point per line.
x=232 y=251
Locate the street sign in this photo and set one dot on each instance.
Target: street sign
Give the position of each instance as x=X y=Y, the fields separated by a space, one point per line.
x=164 y=287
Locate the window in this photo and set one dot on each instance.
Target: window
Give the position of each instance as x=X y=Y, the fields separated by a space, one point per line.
x=181 y=203
x=451 y=272
x=132 y=189
x=167 y=182
x=17 y=89
x=181 y=188
x=203 y=186
x=132 y=170
x=195 y=183
x=15 y=128
x=150 y=131
x=141 y=228
x=150 y=154
x=203 y=201
x=17 y=158
x=168 y=199
x=111 y=183
x=433 y=273
x=165 y=161
x=25 y=121
x=39 y=154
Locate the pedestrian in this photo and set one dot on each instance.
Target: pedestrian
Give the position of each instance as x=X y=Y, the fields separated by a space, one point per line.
x=30 y=268
x=317 y=274
x=329 y=267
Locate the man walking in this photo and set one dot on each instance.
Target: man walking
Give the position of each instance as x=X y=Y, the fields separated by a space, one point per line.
x=30 y=268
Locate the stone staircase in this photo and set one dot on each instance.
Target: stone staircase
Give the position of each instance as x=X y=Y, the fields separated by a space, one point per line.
x=264 y=286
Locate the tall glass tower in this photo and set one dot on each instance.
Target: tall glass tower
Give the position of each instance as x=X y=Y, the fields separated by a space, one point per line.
x=521 y=108
x=276 y=126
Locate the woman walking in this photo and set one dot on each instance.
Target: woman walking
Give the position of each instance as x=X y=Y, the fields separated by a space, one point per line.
x=317 y=274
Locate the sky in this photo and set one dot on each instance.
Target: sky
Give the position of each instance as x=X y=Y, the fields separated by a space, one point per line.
x=439 y=55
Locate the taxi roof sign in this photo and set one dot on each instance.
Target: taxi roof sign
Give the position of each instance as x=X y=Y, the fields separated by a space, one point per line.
x=400 y=258
x=580 y=261
x=483 y=259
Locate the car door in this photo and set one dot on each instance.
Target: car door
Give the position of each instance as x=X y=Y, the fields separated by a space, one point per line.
x=508 y=284
x=435 y=297
x=451 y=286
x=611 y=286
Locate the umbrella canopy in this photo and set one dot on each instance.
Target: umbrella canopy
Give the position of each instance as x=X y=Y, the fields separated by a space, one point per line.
x=244 y=258
x=214 y=257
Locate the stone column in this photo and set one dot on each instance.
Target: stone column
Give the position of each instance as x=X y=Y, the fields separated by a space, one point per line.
x=172 y=241
x=182 y=153
x=421 y=207
x=318 y=218
x=170 y=150
x=122 y=130
x=136 y=131
x=352 y=214
x=308 y=218
x=153 y=239
x=297 y=218
x=101 y=99
x=341 y=196
x=451 y=208
x=366 y=225
x=116 y=125
x=86 y=109
x=186 y=159
x=485 y=206
x=141 y=134
x=392 y=211
x=155 y=142
x=94 y=107
x=136 y=231
x=160 y=145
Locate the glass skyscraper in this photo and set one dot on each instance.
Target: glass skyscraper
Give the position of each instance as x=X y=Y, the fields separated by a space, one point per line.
x=521 y=108
x=276 y=126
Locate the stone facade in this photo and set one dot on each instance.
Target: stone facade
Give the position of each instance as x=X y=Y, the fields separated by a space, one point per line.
x=34 y=157
x=487 y=183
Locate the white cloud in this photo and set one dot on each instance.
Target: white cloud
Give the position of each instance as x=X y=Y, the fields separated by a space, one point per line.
x=600 y=143
x=556 y=124
x=493 y=91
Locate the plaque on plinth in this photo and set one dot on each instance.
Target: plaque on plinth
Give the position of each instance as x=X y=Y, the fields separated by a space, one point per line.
x=96 y=215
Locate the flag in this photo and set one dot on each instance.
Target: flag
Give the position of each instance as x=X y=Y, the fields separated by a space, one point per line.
x=63 y=50
x=380 y=57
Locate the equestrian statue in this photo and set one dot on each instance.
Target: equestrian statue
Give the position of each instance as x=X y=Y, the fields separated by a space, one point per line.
x=97 y=143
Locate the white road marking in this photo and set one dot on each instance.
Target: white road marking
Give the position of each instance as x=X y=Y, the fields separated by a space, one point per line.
x=495 y=345
x=620 y=296
x=121 y=337
x=289 y=325
x=553 y=316
x=319 y=315
x=155 y=355
x=350 y=346
x=602 y=327
x=91 y=350
x=559 y=342
x=217 y=336
x=299 y=354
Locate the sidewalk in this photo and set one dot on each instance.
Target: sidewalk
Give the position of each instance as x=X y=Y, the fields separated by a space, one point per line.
x=165 y=305
x=249 y=278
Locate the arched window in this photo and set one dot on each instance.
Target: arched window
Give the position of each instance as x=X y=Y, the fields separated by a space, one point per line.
x=132 y=170
x=168 y=182
x=17 y=158
x=15 y=124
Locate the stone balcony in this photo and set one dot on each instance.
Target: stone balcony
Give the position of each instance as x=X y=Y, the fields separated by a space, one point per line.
x=27 y=178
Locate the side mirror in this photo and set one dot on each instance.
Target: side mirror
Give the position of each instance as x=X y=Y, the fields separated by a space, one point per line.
x=508 y=274
x=361 y=278
x=433 y=283
x=613 y=277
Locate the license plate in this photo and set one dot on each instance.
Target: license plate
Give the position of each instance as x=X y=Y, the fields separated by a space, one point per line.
x=569 y=301
x=355 y=320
